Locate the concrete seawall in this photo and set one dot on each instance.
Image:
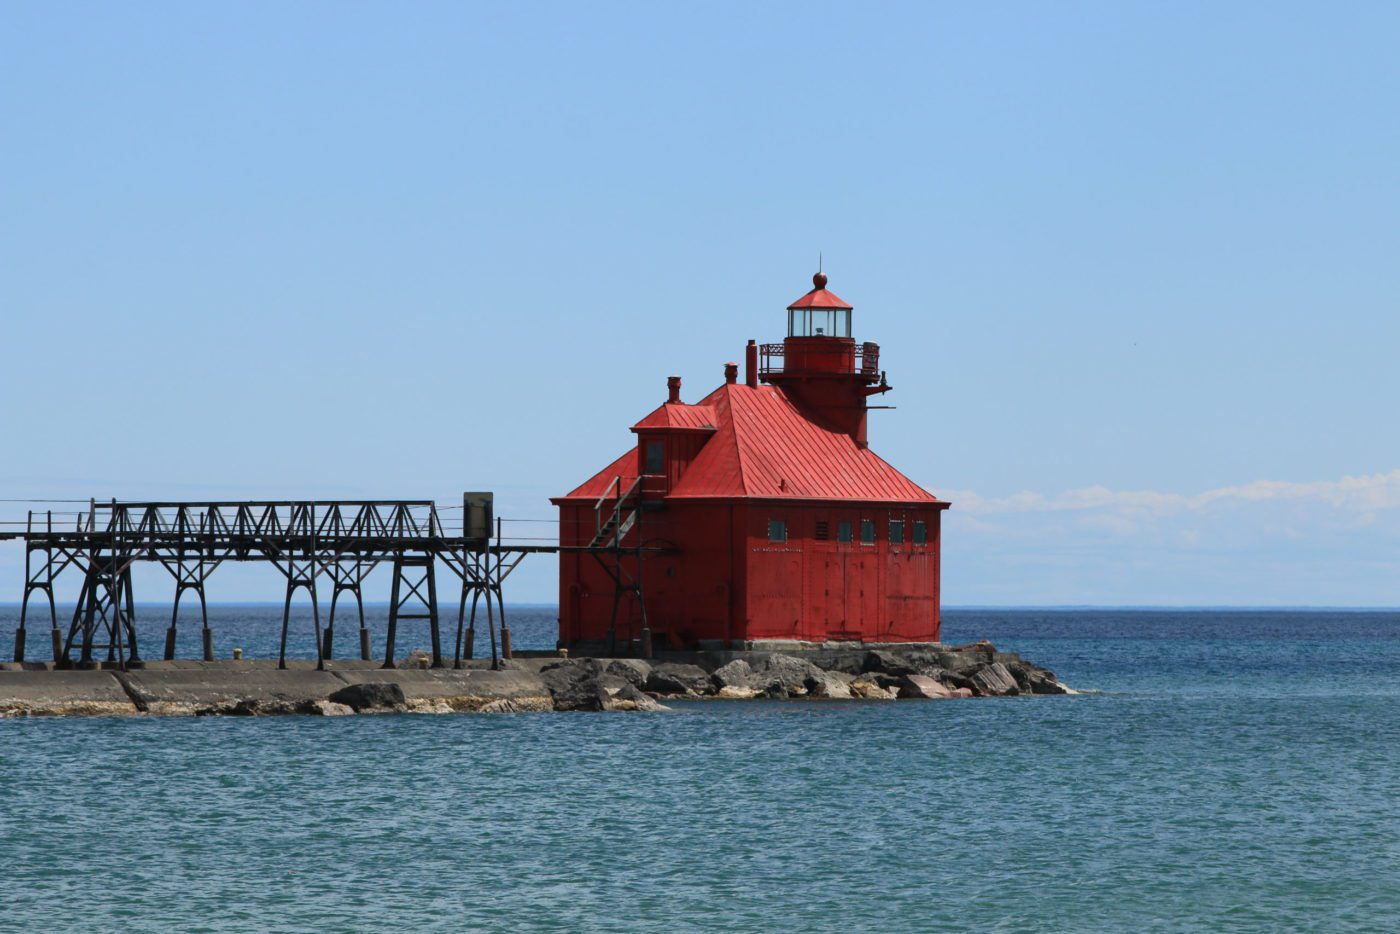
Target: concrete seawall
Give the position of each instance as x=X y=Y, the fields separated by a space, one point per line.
x=521 y=685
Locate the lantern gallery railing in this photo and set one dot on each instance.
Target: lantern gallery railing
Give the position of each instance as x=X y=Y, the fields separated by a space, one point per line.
x=820 y=356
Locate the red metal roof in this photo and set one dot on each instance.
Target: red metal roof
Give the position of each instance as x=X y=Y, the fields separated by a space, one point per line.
x=596 y=485
x=766 y=447
x=819 y=297
x=679 y=416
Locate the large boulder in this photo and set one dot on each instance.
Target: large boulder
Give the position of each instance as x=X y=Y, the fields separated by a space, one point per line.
x=633 y=669
x=993 y=680
x=371 y=695
x=870 y=690
x=735 y=681
x=922 y=686
x=676 y=678
x=830 y=685
x=1035 y=680
x=621 y=694
x=785 y=673
x=954 y=680
x=887 y=662
x=735 y=674
x=574 y=687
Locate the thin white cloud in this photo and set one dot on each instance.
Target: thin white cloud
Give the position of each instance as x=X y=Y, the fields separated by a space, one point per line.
x=1363 y=494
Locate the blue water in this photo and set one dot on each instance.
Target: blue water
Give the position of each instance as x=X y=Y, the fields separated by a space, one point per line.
x=1232 y=772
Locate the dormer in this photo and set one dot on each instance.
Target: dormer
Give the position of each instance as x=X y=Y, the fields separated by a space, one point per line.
x=668 y=440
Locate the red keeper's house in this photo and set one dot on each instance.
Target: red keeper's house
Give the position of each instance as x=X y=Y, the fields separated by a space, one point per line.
x=758 y=513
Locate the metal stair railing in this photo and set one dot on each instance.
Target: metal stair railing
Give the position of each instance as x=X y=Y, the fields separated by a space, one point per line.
x=611 y=531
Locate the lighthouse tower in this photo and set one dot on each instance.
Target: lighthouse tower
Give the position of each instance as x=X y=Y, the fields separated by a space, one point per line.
x=757 y=516
x=822 y=369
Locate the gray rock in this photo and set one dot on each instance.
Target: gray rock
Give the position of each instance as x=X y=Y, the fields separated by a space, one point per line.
x=255 y=707
x=633 y=669
x=611 y=685
x=887 y=662
x=869 y=690
x=887 y=681
x=575 y=687
x=244 y=707
x=736 y=674
x=1020 y=672
x=993 y=680
x=591 y=666
x=784 y=671
x=369 y=696
x=327 y=708
x=955 y=680
x=830 y=685
x=628 y=697
x=848 y=662
x=922 y=686
x=964 y=658
x=1040 y=681
x=675 y=678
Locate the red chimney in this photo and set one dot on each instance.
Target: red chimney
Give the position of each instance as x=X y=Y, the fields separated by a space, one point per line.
x=731 y=373
x=751 y=365
x=673 y=389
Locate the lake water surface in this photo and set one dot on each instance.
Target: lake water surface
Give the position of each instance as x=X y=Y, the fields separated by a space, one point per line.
x=1230 y=771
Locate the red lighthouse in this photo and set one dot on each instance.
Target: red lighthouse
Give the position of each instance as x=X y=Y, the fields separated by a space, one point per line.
x=758 y=514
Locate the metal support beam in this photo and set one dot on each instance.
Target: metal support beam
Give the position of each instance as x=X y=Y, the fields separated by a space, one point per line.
x=300 y=555
x=415 y=590
x=40 y=579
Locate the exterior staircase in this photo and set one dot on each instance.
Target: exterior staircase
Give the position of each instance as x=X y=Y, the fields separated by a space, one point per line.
x=614 y=518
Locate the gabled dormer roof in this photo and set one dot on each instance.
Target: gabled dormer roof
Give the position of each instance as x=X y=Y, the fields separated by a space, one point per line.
x=677 y=416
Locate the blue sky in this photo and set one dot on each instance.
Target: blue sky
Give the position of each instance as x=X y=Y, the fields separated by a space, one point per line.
x=1132 y=265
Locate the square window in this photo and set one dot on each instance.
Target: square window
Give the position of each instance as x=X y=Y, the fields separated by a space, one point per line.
x=823 y=531
x=896 y=532
x=867 y=531
x=656 y=457
x=777 y=530
x=920 y=533
x=843 y=531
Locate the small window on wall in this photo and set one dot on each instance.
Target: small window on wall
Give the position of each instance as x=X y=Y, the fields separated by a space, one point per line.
x=823 y=531
x=920 y=533
x=867 y=531
x=777 y=530
x=896 y=532
x=656 y=457
x=843 y=531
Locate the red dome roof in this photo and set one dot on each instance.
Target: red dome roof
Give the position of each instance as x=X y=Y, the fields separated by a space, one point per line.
x=819 y=297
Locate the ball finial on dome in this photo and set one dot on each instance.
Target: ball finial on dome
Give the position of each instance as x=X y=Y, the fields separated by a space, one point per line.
x=819 y=280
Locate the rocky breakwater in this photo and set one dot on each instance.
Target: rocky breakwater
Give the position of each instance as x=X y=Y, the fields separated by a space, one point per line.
x=253 y=688
x=887 y=673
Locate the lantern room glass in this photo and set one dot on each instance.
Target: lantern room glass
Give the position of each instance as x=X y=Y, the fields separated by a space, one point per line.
x=819 y=322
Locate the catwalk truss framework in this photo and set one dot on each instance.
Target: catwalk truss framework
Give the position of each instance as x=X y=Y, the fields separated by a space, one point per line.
x=338 y=541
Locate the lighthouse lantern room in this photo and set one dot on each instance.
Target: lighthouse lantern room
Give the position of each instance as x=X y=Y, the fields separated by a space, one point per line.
x=757 y=515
